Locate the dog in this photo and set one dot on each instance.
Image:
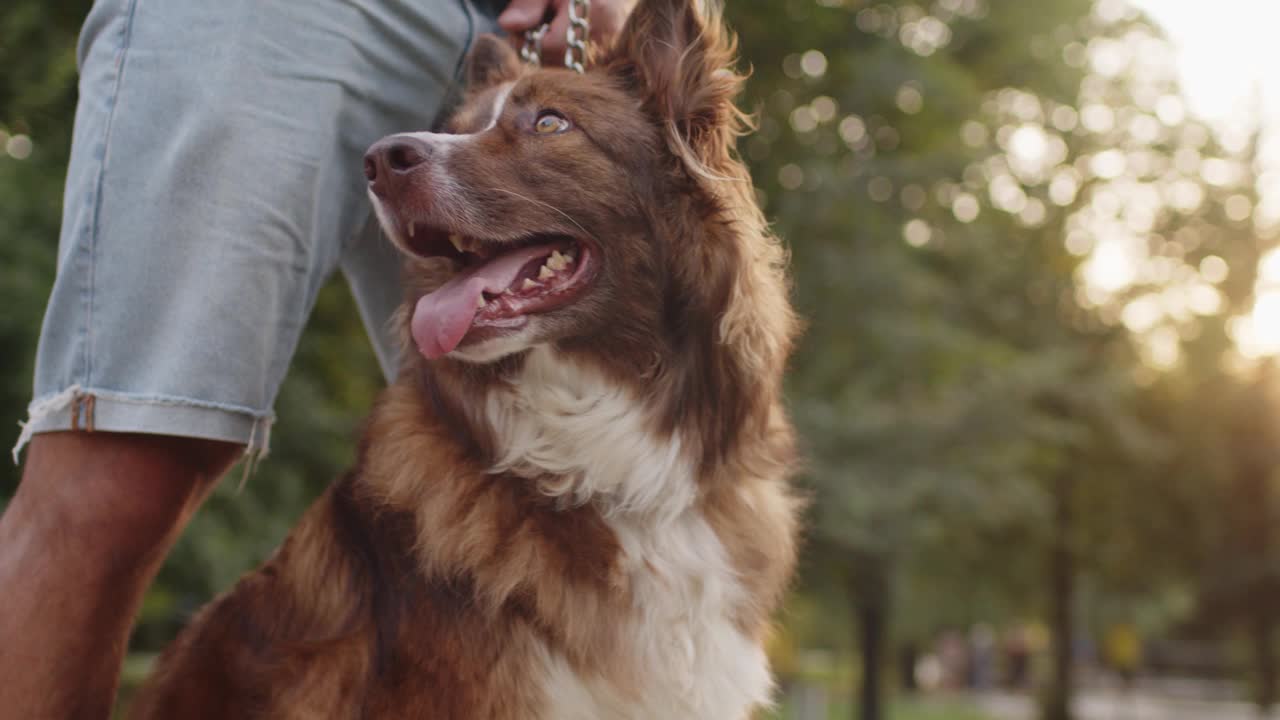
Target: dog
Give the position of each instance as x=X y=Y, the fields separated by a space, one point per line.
x=574 y=501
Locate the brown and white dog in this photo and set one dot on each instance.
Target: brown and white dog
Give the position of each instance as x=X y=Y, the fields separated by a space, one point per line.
x=573 y=503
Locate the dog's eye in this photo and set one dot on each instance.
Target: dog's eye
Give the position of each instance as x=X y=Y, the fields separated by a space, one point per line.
x=550 y=121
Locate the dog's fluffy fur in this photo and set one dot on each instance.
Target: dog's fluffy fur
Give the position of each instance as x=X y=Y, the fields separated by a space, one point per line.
x=586 y=517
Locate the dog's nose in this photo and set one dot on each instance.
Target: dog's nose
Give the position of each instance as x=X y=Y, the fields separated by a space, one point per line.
x=391 y=158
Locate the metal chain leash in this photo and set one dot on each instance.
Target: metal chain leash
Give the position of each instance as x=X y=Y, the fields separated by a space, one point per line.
x=531 y=52
x=576 y=35
x=575 y=53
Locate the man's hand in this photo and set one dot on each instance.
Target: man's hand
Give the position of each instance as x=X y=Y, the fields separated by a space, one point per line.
x=606 y=18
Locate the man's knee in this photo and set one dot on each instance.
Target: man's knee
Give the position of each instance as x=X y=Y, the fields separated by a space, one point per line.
x=123 y=494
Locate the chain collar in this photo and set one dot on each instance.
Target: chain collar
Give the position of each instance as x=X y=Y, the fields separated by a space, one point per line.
x=575 y=53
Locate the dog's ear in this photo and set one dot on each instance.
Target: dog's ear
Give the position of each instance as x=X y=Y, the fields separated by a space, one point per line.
x=491 y=61
x=679 y=55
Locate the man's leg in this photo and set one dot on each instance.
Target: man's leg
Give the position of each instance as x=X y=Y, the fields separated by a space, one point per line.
x=214 y=184
x=83 y=537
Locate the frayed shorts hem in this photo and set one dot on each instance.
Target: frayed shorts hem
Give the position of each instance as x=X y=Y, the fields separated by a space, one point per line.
x=93 y=410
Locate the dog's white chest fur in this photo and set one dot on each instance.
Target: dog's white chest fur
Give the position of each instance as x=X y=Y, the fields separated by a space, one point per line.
x=693 y=662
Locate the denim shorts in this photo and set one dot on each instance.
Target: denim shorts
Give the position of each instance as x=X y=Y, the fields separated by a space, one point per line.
x=215 y=183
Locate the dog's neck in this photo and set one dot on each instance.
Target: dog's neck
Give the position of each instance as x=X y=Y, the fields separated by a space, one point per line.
x=586 y=438
x=577 y=433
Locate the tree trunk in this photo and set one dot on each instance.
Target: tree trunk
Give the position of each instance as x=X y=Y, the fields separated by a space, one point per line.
x=1262 y=631
x=1255 y=435
x=907 y=667
x=870 y=593
x=1260 y=598
x=1061 y=593
x=871 y=694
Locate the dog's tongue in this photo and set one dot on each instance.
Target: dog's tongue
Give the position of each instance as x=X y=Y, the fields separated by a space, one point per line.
x=441 y=319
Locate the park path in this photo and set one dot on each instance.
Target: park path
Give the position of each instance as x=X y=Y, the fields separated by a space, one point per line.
x=1113 y=705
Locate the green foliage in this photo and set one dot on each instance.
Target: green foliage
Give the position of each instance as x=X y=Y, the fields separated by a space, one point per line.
x=37 y=98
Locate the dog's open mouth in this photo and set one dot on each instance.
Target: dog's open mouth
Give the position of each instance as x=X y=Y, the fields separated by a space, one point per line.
x=496 y=286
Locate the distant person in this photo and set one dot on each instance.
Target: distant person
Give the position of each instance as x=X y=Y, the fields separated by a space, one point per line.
x=1017 y=652
x=982 y=653
x=953 y=652
x=215 y=183
x=1123 y=648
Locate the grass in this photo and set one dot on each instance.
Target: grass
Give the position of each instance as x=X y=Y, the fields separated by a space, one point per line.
x=903 y=709
x=933 y=710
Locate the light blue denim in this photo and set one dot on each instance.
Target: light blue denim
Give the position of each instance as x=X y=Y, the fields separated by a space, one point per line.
x=215 y=183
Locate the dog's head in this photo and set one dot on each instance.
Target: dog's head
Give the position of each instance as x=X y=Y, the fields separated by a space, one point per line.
x=604 y=213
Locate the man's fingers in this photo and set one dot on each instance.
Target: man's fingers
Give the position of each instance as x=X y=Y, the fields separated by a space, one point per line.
x=554 y=43
x=523 y=15
x=607 y=17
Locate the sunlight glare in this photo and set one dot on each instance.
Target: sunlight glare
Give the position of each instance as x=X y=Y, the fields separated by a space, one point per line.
x=1258 y=334
x=1269 y=269
x=1109 y=267
x=1224 y=57
x=1224 y=54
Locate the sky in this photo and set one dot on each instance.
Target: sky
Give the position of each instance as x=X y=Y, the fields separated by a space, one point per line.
x=1226 y=49
x=1228 y=56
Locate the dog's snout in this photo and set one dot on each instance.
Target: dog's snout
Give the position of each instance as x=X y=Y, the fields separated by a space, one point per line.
x=392 y=157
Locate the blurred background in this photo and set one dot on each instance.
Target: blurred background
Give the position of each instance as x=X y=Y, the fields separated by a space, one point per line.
x=1034 y=242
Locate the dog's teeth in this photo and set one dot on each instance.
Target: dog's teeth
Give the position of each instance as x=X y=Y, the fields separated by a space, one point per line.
x=545 y=273
x=507 y=292
x=479 y=301
x=557 y=261
x=457 y=242
x=529 y=284
x=410 y=229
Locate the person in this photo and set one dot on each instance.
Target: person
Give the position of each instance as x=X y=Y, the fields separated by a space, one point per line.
x=1123 y=647
x=215 y=183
